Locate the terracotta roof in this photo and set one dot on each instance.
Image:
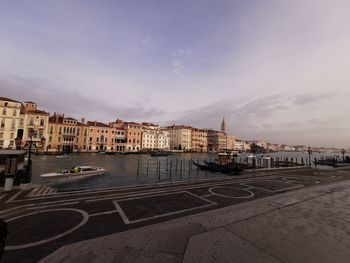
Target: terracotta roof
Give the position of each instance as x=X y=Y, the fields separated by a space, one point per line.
x=38 y=112
x=7 y=99
x=96 y=123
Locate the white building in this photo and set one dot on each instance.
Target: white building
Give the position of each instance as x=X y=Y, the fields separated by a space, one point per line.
x=155 y=139
x=180 y=137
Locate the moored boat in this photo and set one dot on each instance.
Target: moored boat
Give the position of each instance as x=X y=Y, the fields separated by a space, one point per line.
x=77 y=172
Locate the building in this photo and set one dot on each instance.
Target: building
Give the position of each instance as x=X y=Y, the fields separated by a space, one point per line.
x=133 y=132
x=241 y=145
x=101 y=137
x=153 y=138
x=9 y=121
x=119 y=135
x=33 y=125
x=217 y=141
x=67 y=134
x=180 y=137
x=199 y=139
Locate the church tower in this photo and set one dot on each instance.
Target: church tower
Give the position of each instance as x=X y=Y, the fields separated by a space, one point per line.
x=223 y=126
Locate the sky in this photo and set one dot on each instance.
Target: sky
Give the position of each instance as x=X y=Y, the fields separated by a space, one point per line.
x=276 y=70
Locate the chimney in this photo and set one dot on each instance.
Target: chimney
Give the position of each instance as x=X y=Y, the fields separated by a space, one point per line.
x=83 y=120
x=56 y=117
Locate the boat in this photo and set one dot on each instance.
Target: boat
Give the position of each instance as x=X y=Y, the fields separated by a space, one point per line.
x=156 y=154
x=62 y=155
x=77 y=172
x=110 y=153
x=232 y=168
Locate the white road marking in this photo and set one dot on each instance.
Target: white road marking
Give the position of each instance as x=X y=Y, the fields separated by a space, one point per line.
x=13 y=197
x=104 y=213
x=83 y=222
x=251 y=194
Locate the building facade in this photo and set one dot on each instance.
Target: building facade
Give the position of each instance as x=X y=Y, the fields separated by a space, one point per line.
x=33 y=125
x=9 y=121
x=66 y=134
x=199 y=140
x=101 y=137
x=180 y=137
x=133 y=132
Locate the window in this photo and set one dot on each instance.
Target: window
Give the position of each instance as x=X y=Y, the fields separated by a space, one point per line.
x=13 y=124
x=21 y=121
x=51 y=130
x=59 y=139
x=14 y=112
x=60 y=130
x=31 y=122
x=1 y=135
x=50 y=139
x=42 y=122
x=6 y=103
x=4 y=111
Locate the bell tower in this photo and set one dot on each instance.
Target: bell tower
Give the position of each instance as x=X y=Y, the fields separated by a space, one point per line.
x=223 y=126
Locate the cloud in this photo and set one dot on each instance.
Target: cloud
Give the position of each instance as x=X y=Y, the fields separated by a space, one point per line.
x=72 y=102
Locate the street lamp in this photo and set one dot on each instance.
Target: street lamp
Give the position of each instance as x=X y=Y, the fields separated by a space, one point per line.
x=28 y=178
x=309 y=151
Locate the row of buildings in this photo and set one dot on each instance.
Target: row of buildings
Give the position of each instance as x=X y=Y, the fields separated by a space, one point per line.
x=21 y=123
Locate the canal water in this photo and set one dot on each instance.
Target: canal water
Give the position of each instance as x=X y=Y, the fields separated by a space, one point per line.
x=126 y=170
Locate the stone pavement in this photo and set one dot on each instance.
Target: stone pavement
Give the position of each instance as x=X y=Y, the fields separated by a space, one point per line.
x=306 y=225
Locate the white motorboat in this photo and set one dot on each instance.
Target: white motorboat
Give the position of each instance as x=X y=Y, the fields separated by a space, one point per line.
x=77 y=172
x=62 y=156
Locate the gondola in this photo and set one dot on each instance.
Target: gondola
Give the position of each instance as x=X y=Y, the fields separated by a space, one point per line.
x=226 y=169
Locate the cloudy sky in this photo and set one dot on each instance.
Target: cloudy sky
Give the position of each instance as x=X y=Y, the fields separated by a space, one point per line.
x=276 y=70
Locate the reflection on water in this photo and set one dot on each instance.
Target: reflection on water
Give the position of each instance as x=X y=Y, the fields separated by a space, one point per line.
x=122 y=169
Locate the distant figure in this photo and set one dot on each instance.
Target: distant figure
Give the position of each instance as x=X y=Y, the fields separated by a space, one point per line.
x=3 y=236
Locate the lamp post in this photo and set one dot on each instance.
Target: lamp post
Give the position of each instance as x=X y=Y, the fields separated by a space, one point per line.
x=29 y=165
x=309 y=151
x=343 y=153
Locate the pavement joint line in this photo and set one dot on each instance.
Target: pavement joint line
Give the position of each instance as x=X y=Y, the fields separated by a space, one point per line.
x=104 y=213
x=2 y=196
x=173 y=188
x=13 y=197
x=38 y=207
x=205 y=181
x=255 y=245
x=40 y=242
x=274 y=191
x=121 y=213
x=232 y=197
x=207 y=195
x=105 y=198
x=201 y=197
x=150 y=192
x=127 y=221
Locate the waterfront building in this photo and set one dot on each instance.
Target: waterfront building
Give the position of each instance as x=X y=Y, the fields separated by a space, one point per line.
x=199 y=139
x=34 y=125
x=133 y=136
x=66 y=134
x=217 y=141
x=9 y=121
x=101 y=137
x=154 y=138
x=179 y=137
x=241 y=145
x=120 y=135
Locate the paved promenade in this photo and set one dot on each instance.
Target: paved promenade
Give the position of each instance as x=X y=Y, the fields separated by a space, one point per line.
x=297 y=215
